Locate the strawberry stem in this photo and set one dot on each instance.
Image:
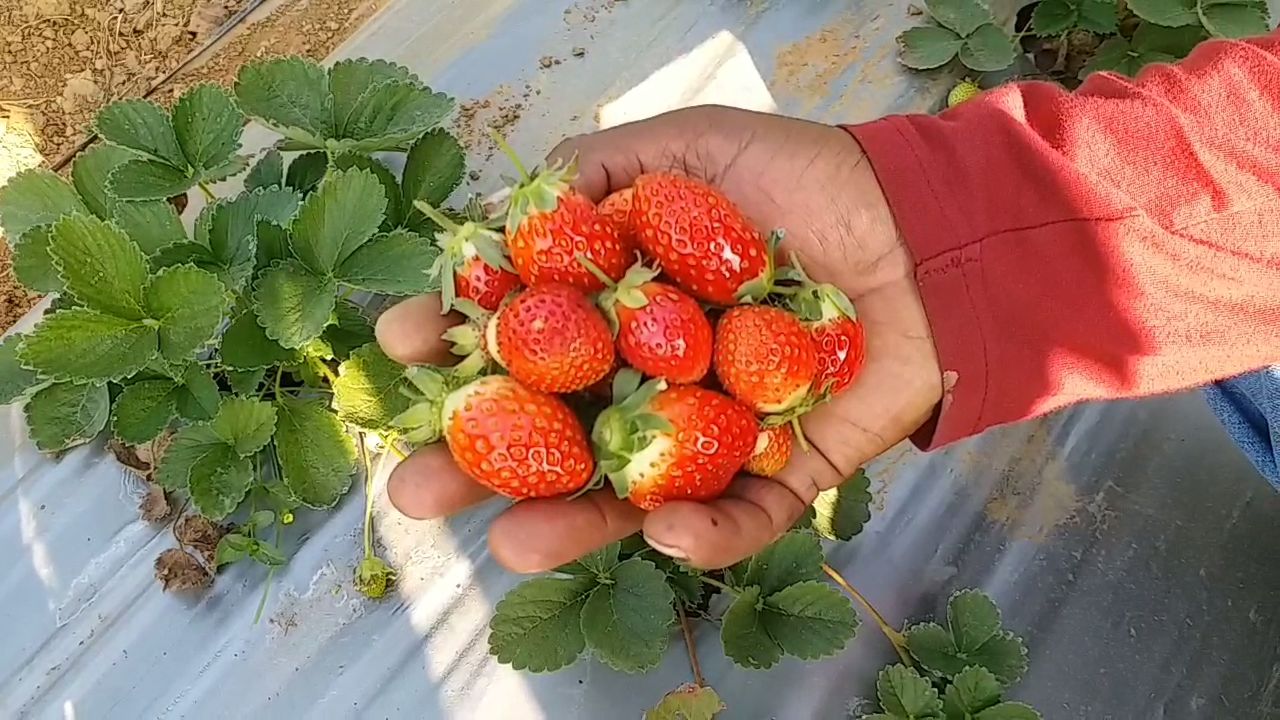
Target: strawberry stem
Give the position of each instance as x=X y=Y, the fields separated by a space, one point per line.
x=716 y=583
x=895 y=638
x=436 y=216
x=687 y=632
x=511 y=154
x=799 y=432
x=596 y=271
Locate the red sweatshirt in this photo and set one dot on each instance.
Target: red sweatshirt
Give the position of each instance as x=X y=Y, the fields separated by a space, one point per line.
x=1117 y=241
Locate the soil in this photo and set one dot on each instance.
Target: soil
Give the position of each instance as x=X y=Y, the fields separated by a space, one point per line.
x=62 y=60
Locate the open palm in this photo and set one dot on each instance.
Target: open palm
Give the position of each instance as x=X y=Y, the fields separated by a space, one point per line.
x=814 y=182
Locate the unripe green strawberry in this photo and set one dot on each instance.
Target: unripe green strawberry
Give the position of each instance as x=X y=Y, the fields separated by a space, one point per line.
x=964 y=91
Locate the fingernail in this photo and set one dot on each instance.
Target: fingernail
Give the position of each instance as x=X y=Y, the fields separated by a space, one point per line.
x=671 y=552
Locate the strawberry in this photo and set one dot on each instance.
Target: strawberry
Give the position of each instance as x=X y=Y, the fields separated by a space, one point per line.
x=838 y=337
x=515 y=440
x=616 y=209
x=772 y=450
x=472 y=264
x=765 y=358
x=700 y=239
x=661 y=331
x=964 y=91
x=549 y=225
x=552 y=338
x=659 y=443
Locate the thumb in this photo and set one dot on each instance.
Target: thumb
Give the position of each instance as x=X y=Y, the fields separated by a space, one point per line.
x=610 y=160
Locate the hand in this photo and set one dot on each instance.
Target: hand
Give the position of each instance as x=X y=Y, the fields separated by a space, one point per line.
x=811 y=180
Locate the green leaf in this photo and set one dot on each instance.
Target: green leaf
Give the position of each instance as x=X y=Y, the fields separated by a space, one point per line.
x=687 y=702
x=1055 y=17
x=928 y=47
x=433 y=169
x=293 y=305
x=392 y=113
x=348 y=80
x=143 y=127
x=317 y=456
x=626 y=622
x=368 y=393
x=32 y=263
x=219 y=482
x=794 y=558
x=245 y=382
x=1004 y=655
x=89 y=175
x=233 y=547
x=15 y=380
x=810 y=620
x=266 y=554
x=1234 y=20
x=33 y=198
x=190 y=446
x=289 y=95
x=148 y=180
x=65 y=414
x=973 y=619
x=1008 y=711
x=230 y=228
x=537 y=626
x=340 y=216
x=1171 y=13
x=988 y=49
x=1114 y=55
x=306 y=171
x=904 y=694
x=1098 y=16
x=933 y=646
x=207 y=125
x=394 y=215
x=352 y=330
x=245 y=424
x=198 y=397
x=143 y=410
x=273 y=245
x=961 y=16
x=391 y=264
x=1177 y=42
x=151 y=224
x=236 y=165
x=267 y=172
x=245 y=345
x=100 y=266
x=972 y=690
x=189 y=304
x=744 y=635
x=81 y=344
x=841 y=512
x=597 y=563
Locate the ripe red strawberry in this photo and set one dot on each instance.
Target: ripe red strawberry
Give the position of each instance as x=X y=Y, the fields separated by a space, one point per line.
x=616 y=209
x=550 y=225
x=516 y=441
x=765 y=358
x=700 y=239
x=838 y=337
x=772 y=450
x=679 y=443
x=552 y=338
x=661 y=331
x=472 y=264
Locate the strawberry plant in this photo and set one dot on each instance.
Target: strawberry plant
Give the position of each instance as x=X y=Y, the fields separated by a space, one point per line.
x=1066 y=40
x=229 y=346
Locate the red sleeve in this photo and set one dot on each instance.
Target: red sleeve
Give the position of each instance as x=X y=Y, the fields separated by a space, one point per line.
x=1118 y=241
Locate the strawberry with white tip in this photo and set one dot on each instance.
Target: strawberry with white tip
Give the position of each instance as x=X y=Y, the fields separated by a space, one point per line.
x=838 y=338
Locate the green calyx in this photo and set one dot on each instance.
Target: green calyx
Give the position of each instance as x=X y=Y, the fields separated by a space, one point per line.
x=625 y=292
x=534 y=193
x=627 y=427
x=423 y=422
x=374 y=577
x=459 y=243
x=818 y=302
x=758 y=290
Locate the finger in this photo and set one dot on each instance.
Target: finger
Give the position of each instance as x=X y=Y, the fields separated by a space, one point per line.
x=612 y=159
x=538 y=535
x=409 y=332
x=428 y=484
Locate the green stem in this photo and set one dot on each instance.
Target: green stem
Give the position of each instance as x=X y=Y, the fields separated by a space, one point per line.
x=687 y=632
x=390 y=443
x=716 y=583
x=328 y=374
x=368 y=496
x=266 y=588
x=436 y=216
x=510 y=153
x=208 y=194
x=279 y=375
x=896 y=638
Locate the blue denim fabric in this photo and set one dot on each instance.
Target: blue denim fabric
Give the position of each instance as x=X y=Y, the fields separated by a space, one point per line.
x=1249 y=407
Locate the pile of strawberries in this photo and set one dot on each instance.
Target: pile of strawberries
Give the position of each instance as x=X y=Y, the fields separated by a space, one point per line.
x=578 y=303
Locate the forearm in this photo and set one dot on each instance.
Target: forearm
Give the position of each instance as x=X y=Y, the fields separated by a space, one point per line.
x=1119 y=241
